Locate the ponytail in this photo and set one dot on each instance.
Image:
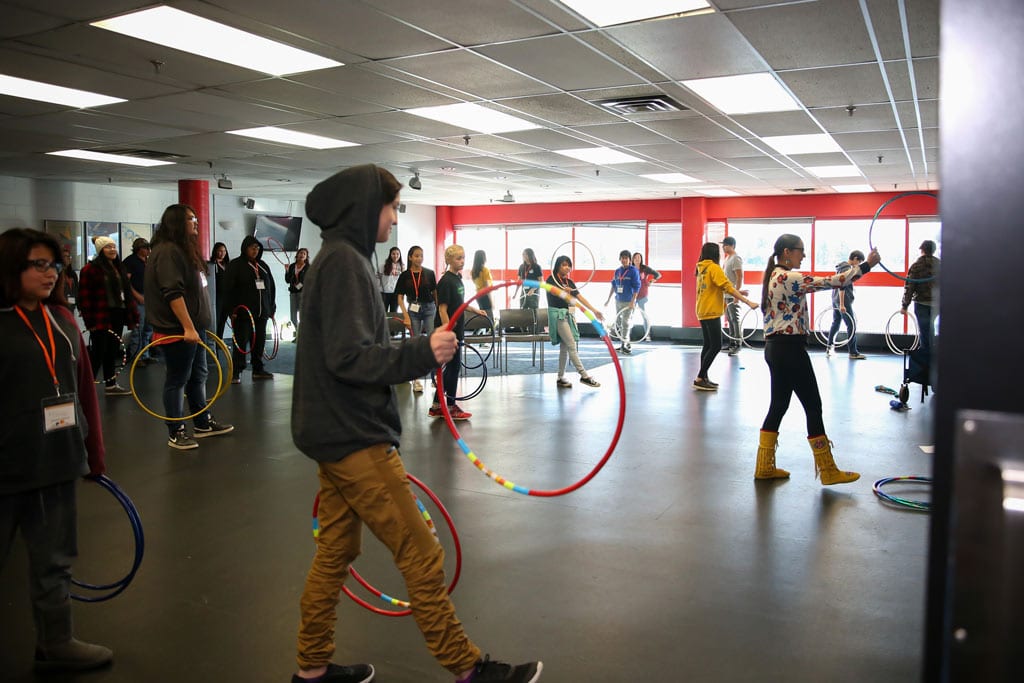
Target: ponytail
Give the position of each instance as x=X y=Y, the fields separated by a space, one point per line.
x=765 y=282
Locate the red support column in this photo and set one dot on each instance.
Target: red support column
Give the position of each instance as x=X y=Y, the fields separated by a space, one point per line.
x=695 y=216
x=196 y=193
x=443 y=230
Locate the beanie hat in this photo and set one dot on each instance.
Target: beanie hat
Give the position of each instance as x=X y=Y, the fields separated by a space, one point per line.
x=102 y=243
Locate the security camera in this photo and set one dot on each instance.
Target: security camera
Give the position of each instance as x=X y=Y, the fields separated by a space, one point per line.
x=414 y=182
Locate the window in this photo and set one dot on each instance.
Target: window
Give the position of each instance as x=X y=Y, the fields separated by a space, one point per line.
x=835 y=239
x=665 y=246
x=922 y=229
x=608 y=239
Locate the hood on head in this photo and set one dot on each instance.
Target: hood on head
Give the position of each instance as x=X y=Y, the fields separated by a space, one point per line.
x=248 y=242
x=348 y=205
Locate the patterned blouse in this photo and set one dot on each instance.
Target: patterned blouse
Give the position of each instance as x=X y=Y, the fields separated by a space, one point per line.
x=787 y=298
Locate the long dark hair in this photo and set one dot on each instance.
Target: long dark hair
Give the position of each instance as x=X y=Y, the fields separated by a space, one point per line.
x=113 y=268
x=709 y=252
x=409 y=254
x=558 y=265
x=785 y=241
x=531 y=258
x=174 y=229
x=479 y=259
x=15 y=246
x=213 y=254
x=389 y=265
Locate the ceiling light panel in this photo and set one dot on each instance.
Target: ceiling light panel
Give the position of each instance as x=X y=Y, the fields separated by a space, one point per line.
x=611 y=12
x=803 y=144
x=716 y=192
x=602 y=156
x=55 y=94
x=109 y=158
x=292 y=137
x=834 y=171
x=190 y=33
x=853 y=188
x=671 y=178
x=473 y=117
x=746 y=94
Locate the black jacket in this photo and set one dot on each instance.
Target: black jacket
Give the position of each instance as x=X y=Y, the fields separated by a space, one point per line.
x=240 y=283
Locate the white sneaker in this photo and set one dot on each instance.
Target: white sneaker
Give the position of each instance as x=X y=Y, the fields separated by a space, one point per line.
x=830 y=350
x=417 y=386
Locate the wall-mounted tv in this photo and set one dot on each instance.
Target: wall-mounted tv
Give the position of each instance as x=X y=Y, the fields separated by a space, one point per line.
x=278 y=233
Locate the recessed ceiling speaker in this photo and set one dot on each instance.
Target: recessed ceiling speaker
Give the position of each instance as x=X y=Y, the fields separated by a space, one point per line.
x=414 y=182
x=249 y=202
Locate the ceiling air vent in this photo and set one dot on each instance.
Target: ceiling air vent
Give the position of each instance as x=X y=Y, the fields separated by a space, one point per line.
x=142 y=153
x=641 y=105
x=802 y=189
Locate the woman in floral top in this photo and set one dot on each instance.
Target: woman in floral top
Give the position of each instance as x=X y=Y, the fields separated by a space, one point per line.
x=786 y=325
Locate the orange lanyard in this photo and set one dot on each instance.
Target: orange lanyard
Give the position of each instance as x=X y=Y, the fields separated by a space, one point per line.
x=51 y=356
x=416 y=282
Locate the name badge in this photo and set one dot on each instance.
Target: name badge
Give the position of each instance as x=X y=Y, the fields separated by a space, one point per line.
x=620 y=289
x=71 y=300
x=60 y=412
x=414 y=307
x=202 y=279
x=260 y=284
x=298 y=285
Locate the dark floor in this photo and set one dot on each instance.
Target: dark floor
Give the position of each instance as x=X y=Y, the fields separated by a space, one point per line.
x=671 y=565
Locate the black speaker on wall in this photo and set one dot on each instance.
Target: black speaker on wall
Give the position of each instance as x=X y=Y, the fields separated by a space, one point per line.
x=249 y=202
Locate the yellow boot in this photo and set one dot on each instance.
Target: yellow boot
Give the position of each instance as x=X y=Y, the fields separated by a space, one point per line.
x=766 y=468
x=824 y=466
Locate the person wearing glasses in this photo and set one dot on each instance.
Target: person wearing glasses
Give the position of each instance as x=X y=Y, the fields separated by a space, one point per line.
x=51 y=436
x=107 y=305
x=786 y=325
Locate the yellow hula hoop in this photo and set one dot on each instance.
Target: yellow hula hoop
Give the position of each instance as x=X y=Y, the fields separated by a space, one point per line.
x=226 y=384
x=220 y=377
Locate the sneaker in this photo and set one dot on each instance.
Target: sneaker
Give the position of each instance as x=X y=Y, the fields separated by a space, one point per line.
x=563 y=383
x=182 y=441
x=212 y=428
x=262 y=374
x=714 y=384
x=117 y=390
x=435 y=411
x=357 y=673
x=733 y=350
x=417 y=386
x=857 y=356
x=704 y=385
x=830 y=350
x=487 y=671
x=236 y=380
x=459 y=414
x=73 y=655
x=590 y=382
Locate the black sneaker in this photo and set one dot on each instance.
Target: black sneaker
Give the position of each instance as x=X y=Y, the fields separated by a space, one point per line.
x=487 y=671
x=358 y=673
x=116 y=390
x=563 y=383
x=213 y=428
x=182 y=441
x=262 y=374
x=590 y=382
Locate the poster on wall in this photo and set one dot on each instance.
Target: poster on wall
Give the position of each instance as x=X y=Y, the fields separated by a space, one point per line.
x=69 y=234
x=278 y=233
x=131 y=232
x=94 y=229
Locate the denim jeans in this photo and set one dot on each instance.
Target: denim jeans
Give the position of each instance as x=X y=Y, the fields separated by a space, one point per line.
x=186 y=376
x=141 y=336
x=925 y=325
x=838 y=317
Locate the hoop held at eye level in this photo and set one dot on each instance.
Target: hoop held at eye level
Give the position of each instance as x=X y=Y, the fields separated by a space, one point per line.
x=822 y=336
x=891 y=343
x=871 y=229
x=593 y=261
x=602 y=333
x=139 y=540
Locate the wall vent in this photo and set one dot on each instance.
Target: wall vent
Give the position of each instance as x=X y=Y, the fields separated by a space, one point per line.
x=646 y=104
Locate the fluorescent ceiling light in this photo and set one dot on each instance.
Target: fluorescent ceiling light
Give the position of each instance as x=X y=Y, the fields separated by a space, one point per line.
x=599 y=155
x=853 y=188
x=820 y=143
x=190 y=33
x=109 y=158
x=609 y=12
x=45 y=92
x=747 y=94
x=716 y=192
x=473 y=117
x=292 y=137
x=671 y=178
x=834 y=171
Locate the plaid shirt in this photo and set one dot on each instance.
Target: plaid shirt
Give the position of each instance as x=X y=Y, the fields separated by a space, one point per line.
x=93 y=301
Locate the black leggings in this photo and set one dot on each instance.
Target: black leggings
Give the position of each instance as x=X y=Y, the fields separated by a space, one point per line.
x=791 y=371
x=711 y=329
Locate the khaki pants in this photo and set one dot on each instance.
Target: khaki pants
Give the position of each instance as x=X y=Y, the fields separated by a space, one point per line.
x=370 y=486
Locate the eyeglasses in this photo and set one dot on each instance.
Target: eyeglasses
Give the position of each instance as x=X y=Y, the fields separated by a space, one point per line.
x=42 y=265
x=192 y=219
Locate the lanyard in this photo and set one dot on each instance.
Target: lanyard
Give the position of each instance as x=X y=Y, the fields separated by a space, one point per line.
x=256 y=269
x=51 y=356
x=562 y=284
x=416 y=283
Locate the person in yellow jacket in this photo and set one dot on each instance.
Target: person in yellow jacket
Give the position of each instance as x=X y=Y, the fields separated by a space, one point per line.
x=712 y=286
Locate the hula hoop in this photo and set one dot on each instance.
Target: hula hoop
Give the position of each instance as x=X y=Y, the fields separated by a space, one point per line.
x=124 y=357
x=139 y=540
x=252 y=326
x=593 y=261
x=822 y=337
x=395 y=602
x=221 y=385
x=275 y=334
x=275 y=252
x=482 y=365
x=891 y=343
x=479 y=339
x=743 y=337
x=917 y=505
x=618 y=329
x=871 y=228
x=603 y=333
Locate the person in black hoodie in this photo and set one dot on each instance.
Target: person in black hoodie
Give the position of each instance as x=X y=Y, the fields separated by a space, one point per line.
x=345 y=417
x=248 y=282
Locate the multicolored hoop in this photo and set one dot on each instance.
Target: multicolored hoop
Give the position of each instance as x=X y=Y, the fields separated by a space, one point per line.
x=252 y=326
x=871 y=229
x=119 y=368
x=602 y=332
x=917 y=505
x=430 y=524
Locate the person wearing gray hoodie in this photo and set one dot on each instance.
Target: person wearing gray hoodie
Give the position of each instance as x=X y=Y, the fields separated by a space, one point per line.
x=345 y=417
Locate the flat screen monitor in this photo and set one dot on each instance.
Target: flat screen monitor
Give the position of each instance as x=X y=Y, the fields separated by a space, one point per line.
x=278 y=233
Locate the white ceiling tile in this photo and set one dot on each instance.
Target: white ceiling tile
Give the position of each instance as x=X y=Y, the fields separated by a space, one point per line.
x=468 y=22
x=563 y=110
x=778 y=123
x=561 y=61
x=361 y=84
x=282 y=92
x=471 y=73
x=837 y=86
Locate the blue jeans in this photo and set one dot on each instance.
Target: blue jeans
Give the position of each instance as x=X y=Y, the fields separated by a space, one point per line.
x=141 y=335
x=186 y=376
x=923 y=312
x=422 y=321
x=838 y=317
